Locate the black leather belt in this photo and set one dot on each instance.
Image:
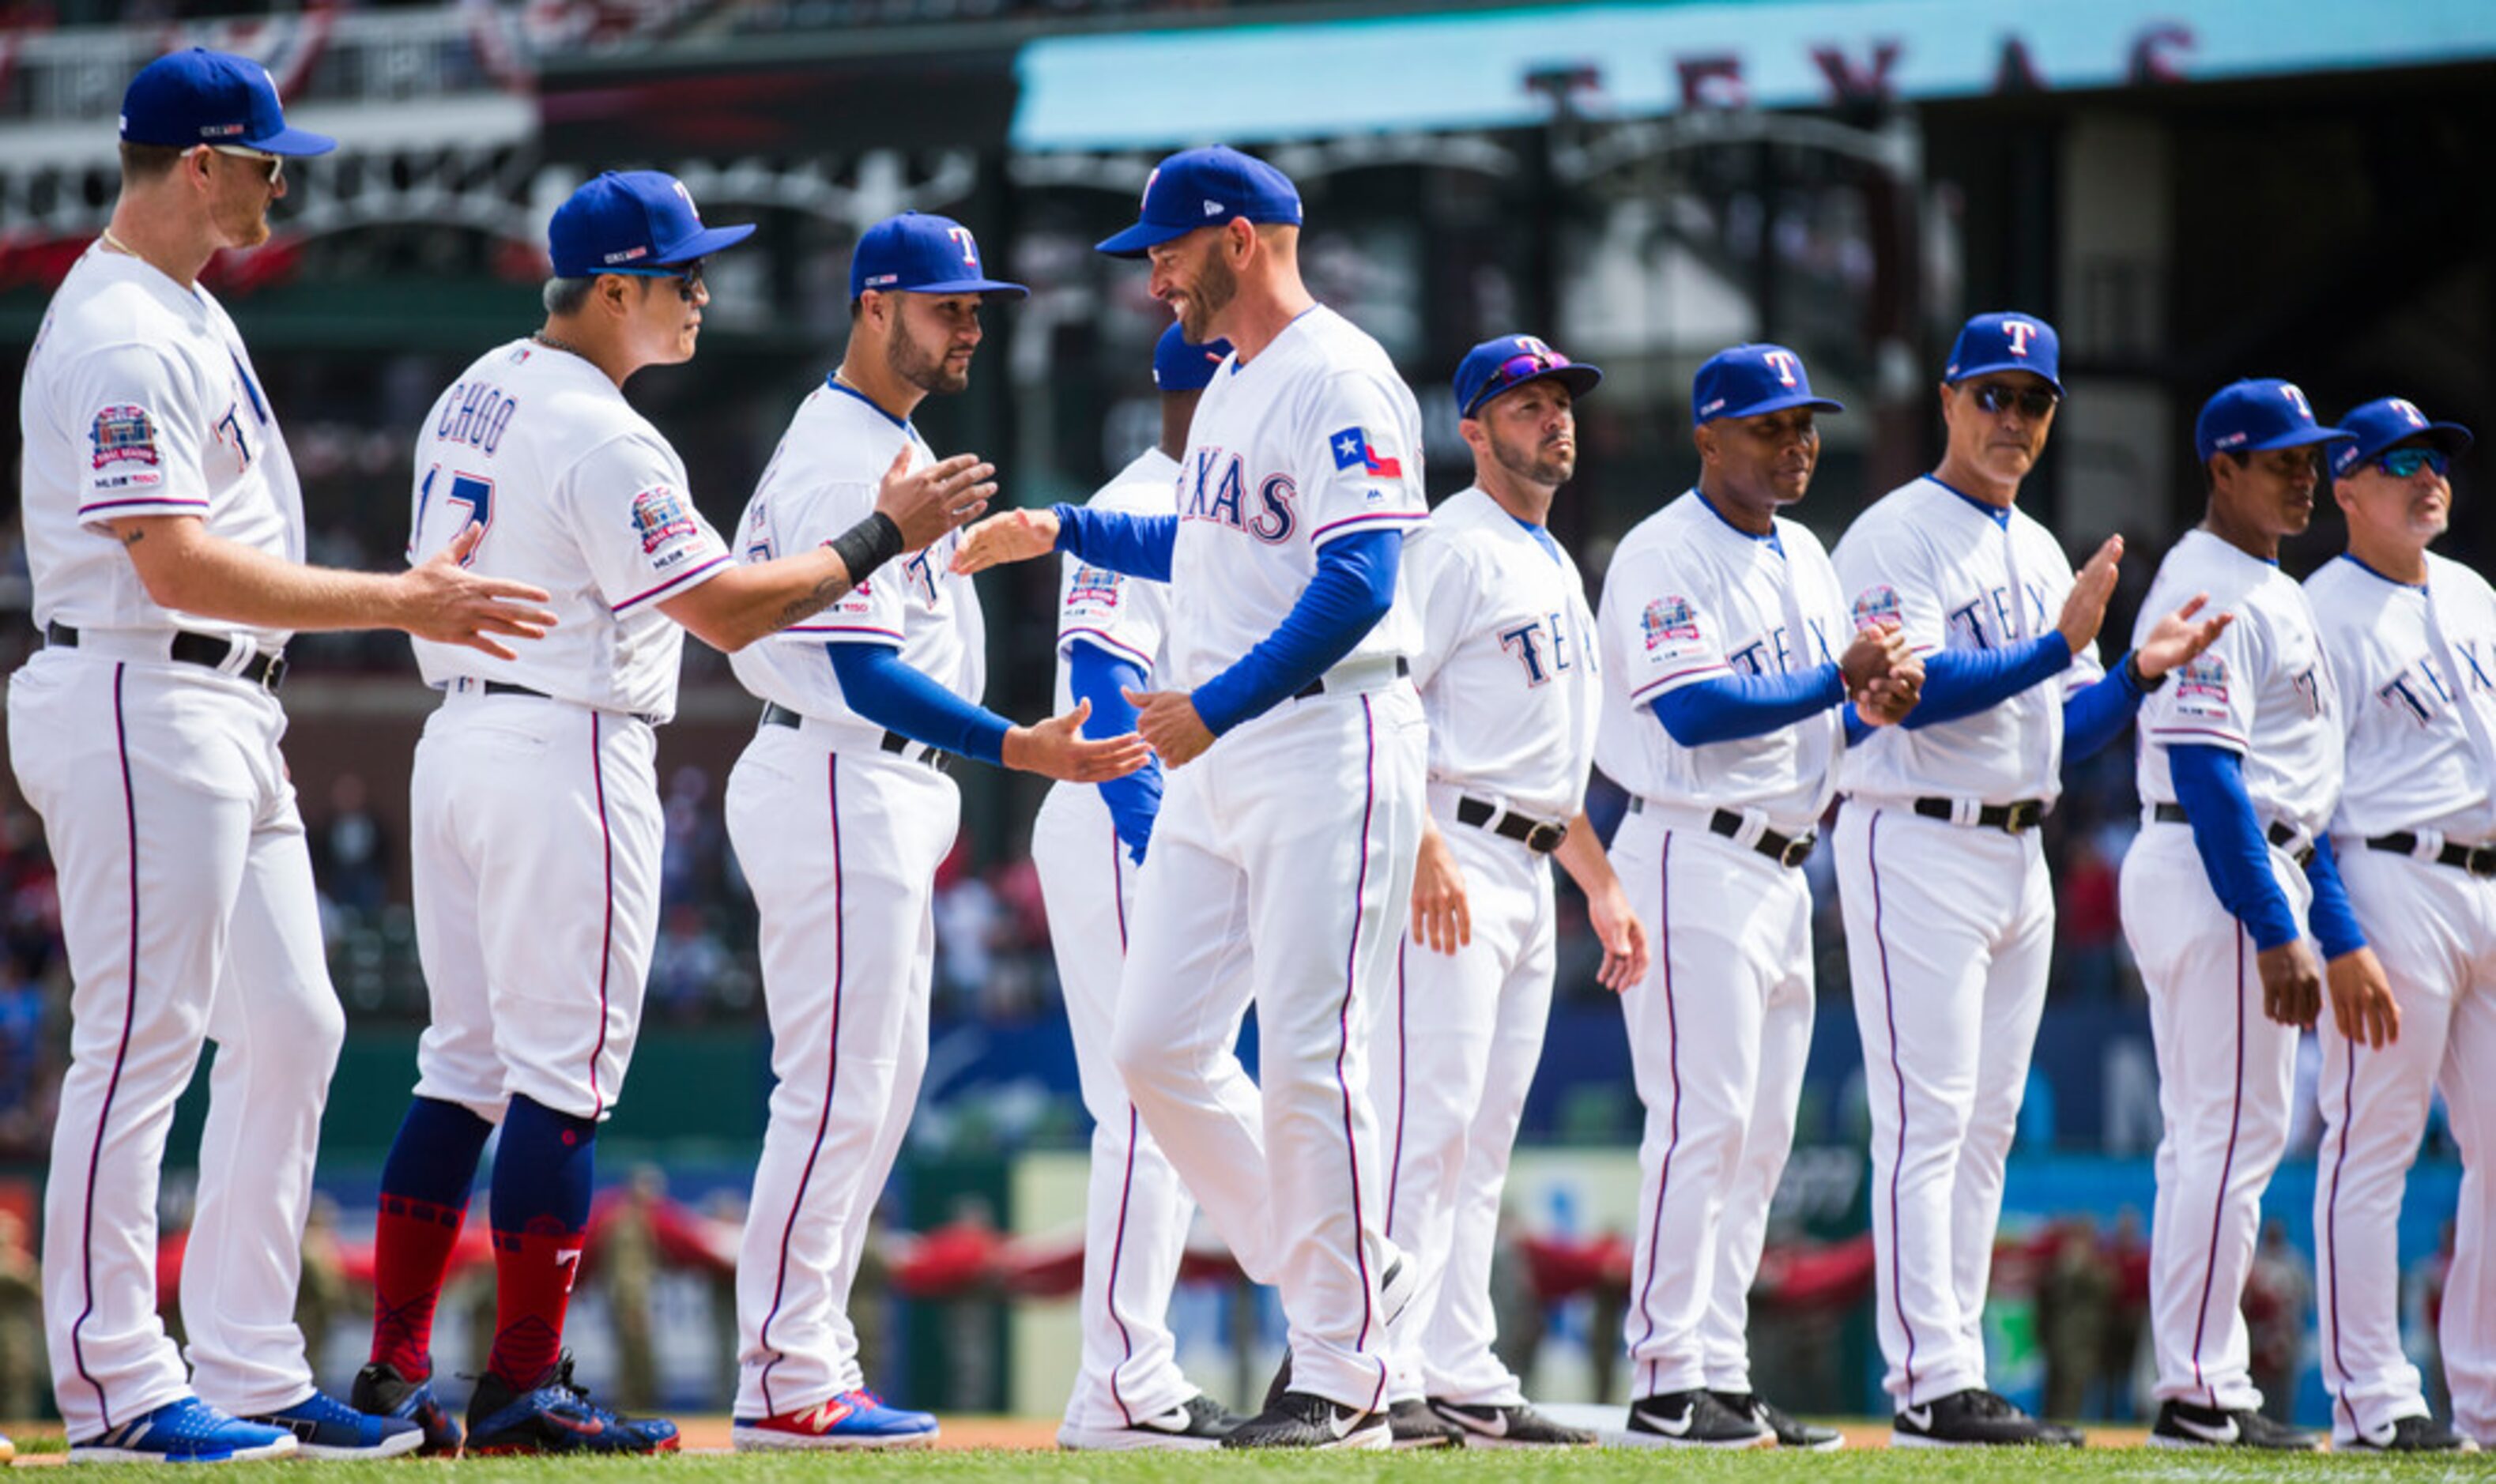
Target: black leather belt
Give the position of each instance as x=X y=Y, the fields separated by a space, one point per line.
x=2477 y=859
x=1541 y=836
x=507 y=687
x=775 y=714
x=1317 y=687
x=2010 y=819
x=2277 y=834
x=206 y=650
x=1784 y=850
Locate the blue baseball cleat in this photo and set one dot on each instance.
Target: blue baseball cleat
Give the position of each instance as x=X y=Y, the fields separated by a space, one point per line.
x=381 y=1390
x=556 y=1416
x=324 y=1427
x=853 y=1419
x=183 y=1430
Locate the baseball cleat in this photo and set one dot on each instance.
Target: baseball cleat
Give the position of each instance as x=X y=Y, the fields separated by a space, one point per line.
x=556 y=1416
x=381 y=1390
x=1395 y=1290
x=183 y=1430
x=1198 y=1423
x=2183 y=1425
x=1302 y=1419
x=2407 y=1434
x=1975 y=1418
x=324 y=1427
x=1412 y=1424
x=8 y=1449
x=1694 y=1419
x=853 y=1419
x=1508 y=1425
x=1790 y=1432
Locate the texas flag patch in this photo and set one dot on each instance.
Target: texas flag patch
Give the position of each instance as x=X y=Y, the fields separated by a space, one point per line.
x=1353 y=449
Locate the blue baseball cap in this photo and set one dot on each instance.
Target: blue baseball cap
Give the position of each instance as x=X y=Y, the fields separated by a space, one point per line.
x=915 y=253
x=2384 y=422
x=2000 y=341
x=1509 y=362
x=1205 y=188
x=635 y=222
x=1180 y=364
x=203 y=96
x=1749 y=381
x=2250 y=416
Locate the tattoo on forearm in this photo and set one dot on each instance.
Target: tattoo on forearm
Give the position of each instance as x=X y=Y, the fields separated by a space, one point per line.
x=822 y=596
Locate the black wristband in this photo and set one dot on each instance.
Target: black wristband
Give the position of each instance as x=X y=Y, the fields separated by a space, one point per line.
x=2139 y=682
x=867 y=545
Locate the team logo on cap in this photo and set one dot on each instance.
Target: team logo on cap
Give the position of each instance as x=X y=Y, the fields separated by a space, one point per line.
x=1783 y=364
x=1150 y=181
x=961 y=237
x=2018 y=332
x=2409 y=411
x=2297 y=399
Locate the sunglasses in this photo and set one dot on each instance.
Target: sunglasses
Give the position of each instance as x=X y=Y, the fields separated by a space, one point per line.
x=2002 y=396
x=1521 y=367
x=2401 y=463
x=271 y=167
x=688 y=276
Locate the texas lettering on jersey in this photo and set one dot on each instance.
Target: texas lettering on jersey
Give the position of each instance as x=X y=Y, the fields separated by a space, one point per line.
x=2420 y=690
x=1990 y=621
x=1214 y=488
x=1545 y=648
x=1773 y=652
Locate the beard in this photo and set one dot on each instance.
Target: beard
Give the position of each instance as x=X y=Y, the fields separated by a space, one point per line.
x=1540 y=463
x=914 y=363
x=1215 y=287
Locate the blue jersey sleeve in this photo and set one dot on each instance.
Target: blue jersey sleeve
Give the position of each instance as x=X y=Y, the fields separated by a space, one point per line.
x=1102 y=678
x=1962 y=682
x=879 y=687
x=1353 y=588
x=2333 y=918
x=2210 y=785
x=1138 y=546
x=2096 y=714
x=1730 y=707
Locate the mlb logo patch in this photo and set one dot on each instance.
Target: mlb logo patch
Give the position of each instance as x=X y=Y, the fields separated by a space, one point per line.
x=1876 y=605
x=123 y=435
x=1669 y=621
x=660 y=518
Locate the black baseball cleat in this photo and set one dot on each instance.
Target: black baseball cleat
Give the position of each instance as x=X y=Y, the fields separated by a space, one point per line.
x=1508 y=1425
x=1412 y=1424
x=2183 y=1425
x=1395 y=1290
x=381 y=1390
x=2407 y=1434
x=556 y=1416
x=1198 y=1423
x=1789 y=1432
x=1976 y=1418
x=1695 y=1419
x=1300 y=1419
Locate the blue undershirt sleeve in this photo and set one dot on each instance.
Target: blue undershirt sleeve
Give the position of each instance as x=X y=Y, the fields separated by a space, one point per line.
x=1857 y=728
x=1962 y=682
x=2097 y=715
x=1095 y=674
x=2210 y=785
x=1735 y=707
x=1353 y=588
x=1138 y=546
x=879 y=687
x=2333 y=918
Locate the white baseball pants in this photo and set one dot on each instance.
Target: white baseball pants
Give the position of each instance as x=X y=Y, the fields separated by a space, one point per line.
x=2226 y=1072
x=2434 y=927
x=1948 y=933
x=1720 y=1030
x=841 y=849
x=1454 y=1051
x=1135 y=1212
x=1296 y=834
x=536 y=834
x=188 y=913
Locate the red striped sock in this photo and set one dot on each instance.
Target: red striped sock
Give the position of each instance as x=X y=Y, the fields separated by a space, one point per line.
x=533 y=1273
x=412 y=1247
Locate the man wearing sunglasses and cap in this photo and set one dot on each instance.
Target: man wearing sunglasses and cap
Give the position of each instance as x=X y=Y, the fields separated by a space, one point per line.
x=1281 y=867
x=840 y=811
x=1508 y=677
x=1732 y=663
x=2411 y=641
x=165 y=542
x=537 y=823
x=2239 y=773
x=1949 y=911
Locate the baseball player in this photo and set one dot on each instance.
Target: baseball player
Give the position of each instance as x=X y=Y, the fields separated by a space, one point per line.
x=840 y=811
x=1281 y=869
x=165 y=542
x=1506 y=670
x=2410 y=639
x=1088 y=844
x=1950 y=914
x=538 y=827
x=2245 y=749
x=1730 y=660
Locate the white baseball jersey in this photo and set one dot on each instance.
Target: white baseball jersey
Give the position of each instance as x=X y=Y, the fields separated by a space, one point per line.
x=2413 y=667
x=579 y=495
x=1959 y=573
x=822 y=481
x=1508 y=664
x=1265 y=485
x=140 y=399
x=1691 y=598
x=1126 y=616
x=2261 y=691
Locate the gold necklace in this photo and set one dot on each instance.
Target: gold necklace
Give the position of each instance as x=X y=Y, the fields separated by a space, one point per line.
x=117 y=245
x=552 y=343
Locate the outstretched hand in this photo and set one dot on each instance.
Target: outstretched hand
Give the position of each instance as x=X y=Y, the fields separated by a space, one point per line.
x=442 y=600
x=2085 y=608
x=1057 y=748
x=2176 y=641
x=1016 y=536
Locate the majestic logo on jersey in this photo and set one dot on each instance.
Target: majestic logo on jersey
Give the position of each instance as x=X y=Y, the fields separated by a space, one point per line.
x=1216 y=489
x=1353 y=449
x=1669 y=621
x=1874 y=604
x=124 y=435
x=660 y=518
x=2018 y=332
